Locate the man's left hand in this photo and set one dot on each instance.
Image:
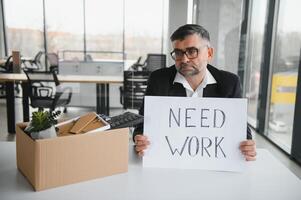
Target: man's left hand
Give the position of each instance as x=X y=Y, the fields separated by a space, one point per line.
x=248 y=149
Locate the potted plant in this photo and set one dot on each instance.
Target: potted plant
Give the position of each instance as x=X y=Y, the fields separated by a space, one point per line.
x=42 y=124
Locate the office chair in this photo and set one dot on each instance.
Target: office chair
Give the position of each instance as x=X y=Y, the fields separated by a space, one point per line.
x=88 y=58
x=35 y=64
x=134 y=88
x=2 y=90
x=53 y=60
x=155 y=61
x=6 y=68
x=45 y=91
x=137 y=66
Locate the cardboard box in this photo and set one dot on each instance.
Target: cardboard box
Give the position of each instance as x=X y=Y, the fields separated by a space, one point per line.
x=53 y=162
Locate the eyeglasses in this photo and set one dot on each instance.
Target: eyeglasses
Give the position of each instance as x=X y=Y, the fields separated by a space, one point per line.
x=191 y=53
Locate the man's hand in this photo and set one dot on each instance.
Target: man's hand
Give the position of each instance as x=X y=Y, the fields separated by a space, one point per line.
x=141 y=143
x=248 y=149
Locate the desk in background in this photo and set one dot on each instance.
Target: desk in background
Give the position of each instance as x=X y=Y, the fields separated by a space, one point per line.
x=102 y=91
x=93 y=67
x=264 y=179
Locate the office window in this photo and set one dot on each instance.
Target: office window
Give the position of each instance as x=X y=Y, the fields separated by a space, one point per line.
x=144 y=27
x=104 y=28
x=223 y=21
x=24 y=26
x=65 y=27
x=254 y=57
x=284 y=75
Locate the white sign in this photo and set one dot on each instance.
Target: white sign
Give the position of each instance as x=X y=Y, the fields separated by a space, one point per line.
x=195 y=133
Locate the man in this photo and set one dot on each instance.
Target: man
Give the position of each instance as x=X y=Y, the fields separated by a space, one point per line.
x=192 y=76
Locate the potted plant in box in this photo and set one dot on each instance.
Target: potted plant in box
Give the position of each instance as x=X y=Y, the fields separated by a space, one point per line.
x=42 y=124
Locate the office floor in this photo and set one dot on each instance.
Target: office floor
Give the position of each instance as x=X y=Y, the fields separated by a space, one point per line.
x=72 y=112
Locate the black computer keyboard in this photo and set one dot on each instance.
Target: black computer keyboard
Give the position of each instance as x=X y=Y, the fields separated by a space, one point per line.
x=127 y=119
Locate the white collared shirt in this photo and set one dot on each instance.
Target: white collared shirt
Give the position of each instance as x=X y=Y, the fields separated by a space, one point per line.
x=208 y=79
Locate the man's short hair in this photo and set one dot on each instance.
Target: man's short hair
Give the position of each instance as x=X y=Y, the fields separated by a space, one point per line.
x=190 y=29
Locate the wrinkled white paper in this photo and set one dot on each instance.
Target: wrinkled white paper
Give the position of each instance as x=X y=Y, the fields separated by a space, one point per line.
x=195 y=133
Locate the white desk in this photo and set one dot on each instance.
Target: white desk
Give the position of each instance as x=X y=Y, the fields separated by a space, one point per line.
x=264 y=179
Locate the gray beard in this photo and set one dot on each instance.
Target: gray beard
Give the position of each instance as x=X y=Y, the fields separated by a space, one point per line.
x=189 y=74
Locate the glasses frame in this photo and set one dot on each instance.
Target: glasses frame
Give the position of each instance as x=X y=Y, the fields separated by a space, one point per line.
x=185 y=52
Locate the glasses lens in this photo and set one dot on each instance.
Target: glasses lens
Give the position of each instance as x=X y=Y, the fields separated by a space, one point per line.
x=173 y=55
x=178 y=54
x=192 y=52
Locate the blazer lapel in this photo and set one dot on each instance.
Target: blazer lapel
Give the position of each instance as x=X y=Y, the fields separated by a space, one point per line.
x=211 y=90
x=177 y=89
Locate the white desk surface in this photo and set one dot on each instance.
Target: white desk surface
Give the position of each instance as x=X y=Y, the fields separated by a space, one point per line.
x=264 y=179
x=63 y=78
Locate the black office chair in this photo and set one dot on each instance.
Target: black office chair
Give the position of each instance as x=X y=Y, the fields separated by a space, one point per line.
x=134 y=88
x=155 y=61
x=45 y=91
x=6 y=68
x=53 y=60
x=137 y=66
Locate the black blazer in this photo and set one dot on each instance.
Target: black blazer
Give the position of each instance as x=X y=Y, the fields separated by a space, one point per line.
x=160 y=83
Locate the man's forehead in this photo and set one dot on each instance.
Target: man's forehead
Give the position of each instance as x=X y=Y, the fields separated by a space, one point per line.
x=189 y=41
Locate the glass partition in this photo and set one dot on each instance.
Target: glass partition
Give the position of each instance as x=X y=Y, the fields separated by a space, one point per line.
x=104 y=28
x=144 y=27
x=24 y=26
x=284 y=74
x=64 y=25
x=254 y=57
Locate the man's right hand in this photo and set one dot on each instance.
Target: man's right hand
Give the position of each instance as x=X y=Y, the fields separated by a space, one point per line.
x=141 y=143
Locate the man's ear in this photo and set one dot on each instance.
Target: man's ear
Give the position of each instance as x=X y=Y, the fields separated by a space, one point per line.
x=210 y=53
